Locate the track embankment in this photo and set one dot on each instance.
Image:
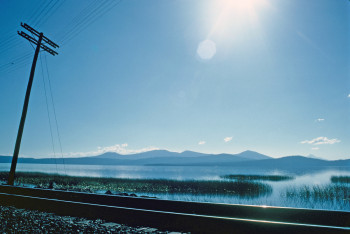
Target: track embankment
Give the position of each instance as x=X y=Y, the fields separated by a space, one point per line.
x=177 y=215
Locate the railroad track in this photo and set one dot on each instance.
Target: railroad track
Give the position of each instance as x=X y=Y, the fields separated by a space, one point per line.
x=177 y=215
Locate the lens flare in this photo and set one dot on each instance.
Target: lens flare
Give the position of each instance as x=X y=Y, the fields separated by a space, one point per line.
x=206 y=49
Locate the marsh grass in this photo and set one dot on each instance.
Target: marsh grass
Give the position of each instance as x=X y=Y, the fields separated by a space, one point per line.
x=240 y=177
x=341 y=179
x=325 y=193
x=92 y=184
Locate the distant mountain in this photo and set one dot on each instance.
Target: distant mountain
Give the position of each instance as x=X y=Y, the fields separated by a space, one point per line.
x=150 y=154
x=110 y=155
x=155 y=157
x=313 y=156
x=252 y=155
x=294 y=162
x=189 y=153
x=5 y=159
x=246 y=159
x=246 y=155
x=195 y=161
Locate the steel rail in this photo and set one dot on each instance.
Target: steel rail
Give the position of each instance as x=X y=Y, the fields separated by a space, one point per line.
x=162 y=219
x=334 y=220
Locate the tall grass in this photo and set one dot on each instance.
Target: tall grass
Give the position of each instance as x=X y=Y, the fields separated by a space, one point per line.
x=341 y=179
x=91 y=184
x=240 y=177
x=319 y=192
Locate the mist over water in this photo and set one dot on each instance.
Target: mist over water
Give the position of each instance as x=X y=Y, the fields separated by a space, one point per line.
x=284 y=193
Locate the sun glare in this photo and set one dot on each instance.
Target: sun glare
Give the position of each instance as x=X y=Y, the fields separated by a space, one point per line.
x=231 y=20
x=232 y=17
x=242 y=4
x=236 y=12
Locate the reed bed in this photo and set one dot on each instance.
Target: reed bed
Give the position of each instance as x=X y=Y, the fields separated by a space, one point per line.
x=329 y=192
x=240 y=177
x=93 y=184
x=341 y=179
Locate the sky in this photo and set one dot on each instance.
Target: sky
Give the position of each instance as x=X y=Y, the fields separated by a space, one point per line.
x=219 y=76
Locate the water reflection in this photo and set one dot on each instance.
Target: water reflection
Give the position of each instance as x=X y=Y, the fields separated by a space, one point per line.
x=290 y=193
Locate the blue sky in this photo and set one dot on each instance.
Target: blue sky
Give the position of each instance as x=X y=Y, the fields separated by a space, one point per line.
x=210 y=76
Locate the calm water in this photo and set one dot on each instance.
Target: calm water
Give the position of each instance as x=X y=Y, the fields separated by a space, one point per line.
x=302 y=178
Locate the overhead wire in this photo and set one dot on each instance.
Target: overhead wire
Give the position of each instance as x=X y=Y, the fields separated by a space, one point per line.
x=59 y=6
x=85 y=16
x=77 y=18
x=48 y=112
x=94 y=18
x=54 y=112
x=50 y=11
x=36 y=11
x=12 y=41
x=89 y=19
x=43 y=18
x=10 y=45
x=16 y=63
x=40 y=14
x=8 y=40
x=45 y=6
x=90 y=14
x=14 y=60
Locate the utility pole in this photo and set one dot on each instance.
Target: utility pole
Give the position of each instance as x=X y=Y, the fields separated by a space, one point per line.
x=40 y=44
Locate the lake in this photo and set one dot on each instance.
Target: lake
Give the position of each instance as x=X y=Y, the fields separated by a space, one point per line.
x=280 y=196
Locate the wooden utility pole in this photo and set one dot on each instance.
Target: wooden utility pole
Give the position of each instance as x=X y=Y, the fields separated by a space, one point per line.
x=39 y=45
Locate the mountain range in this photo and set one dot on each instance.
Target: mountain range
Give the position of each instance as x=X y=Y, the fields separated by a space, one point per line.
x=190 y=158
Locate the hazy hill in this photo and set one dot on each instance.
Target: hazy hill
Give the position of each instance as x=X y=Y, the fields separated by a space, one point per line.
x=163 y=155
x=150 y=154
x=146 y=158
x=252 y=155
x=247 y=159
x=292 y=162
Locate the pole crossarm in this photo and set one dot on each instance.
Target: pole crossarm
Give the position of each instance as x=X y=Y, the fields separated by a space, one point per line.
x=32 y=30
x=31 y=39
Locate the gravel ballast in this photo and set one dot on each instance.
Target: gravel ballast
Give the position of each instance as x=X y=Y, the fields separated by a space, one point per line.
x=13 y=220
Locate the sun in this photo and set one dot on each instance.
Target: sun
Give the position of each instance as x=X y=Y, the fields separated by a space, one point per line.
x=233 y=18
x=242 y=4
x=236 y=12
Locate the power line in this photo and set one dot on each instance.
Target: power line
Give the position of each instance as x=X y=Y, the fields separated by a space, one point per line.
x=102 y=12
x=45 y=14
x=91 y=13
x=50 y=11
x=16 y=63
x=59 y=6
x=18 y=59
x=41 y=12
x=10 y=44
x=36 y=11
x=89 y=19
x=54 y=112
x=77 y=18
x=85 y=18
x=48 y=113
x=8 y=40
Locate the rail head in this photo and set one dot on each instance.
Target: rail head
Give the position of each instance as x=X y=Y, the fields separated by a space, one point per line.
x=250 y=212
x=163 y=219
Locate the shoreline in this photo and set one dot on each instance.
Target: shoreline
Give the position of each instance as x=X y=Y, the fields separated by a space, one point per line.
x=330 y=196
